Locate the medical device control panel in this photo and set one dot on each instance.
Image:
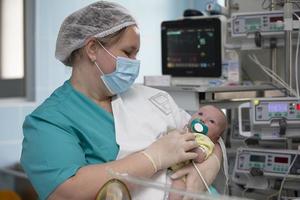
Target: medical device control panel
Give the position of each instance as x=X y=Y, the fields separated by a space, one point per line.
x=265 y=110
x=271 y=118
x=270 y=162
x=267 y=23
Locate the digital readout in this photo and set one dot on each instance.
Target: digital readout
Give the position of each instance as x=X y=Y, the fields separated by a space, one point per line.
x=257 y=158
x=278 y=107
x=281 y=160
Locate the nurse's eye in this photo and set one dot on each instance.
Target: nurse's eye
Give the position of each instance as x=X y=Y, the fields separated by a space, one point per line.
x=127 y=53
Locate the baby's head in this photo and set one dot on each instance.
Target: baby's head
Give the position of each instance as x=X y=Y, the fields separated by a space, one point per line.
x=214 y=119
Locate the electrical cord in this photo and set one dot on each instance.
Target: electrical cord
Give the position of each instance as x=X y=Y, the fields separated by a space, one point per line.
x=272 y=195
x=278 y=3
x=273 y=75
x=269 y=72
x=285 y=176
x=297 y=4
x=202 y=178
x=296 y=59
x=244 y=192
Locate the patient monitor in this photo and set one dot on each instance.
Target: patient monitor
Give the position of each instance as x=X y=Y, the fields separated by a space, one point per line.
x=192 y=48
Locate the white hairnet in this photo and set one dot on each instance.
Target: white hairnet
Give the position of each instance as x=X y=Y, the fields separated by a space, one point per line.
x=99 y=19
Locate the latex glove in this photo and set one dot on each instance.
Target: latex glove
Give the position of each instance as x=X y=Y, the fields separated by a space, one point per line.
x=172 y=148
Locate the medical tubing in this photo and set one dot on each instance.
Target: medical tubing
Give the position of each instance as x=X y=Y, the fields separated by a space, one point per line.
x=274 y=76
x=199 y=173
x=151 y=160
x=296 y=60
x=202 y=178
x=268 y=71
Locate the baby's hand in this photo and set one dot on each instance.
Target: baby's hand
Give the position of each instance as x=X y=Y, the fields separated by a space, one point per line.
x=201 y=155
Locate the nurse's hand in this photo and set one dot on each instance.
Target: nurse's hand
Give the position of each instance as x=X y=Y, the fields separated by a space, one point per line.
x=171 y=149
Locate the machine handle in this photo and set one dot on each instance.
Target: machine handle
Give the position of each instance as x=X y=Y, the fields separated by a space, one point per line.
x=241 y=132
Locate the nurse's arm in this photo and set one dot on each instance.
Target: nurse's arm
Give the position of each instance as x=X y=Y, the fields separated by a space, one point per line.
x=89 y=179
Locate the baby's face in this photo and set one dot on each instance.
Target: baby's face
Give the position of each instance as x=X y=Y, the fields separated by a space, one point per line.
x=213 y=119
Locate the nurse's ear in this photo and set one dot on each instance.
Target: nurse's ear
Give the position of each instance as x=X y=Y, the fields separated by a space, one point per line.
x=91 y=49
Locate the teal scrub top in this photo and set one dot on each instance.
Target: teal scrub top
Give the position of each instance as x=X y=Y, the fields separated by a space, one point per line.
x=66 y=132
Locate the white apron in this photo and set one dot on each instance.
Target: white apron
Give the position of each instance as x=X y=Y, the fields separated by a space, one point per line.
x=141 y=115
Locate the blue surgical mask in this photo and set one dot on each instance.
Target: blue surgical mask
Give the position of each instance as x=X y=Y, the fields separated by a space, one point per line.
x=123 y=77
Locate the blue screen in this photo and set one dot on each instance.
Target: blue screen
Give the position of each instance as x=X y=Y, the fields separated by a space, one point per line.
x=278 y=107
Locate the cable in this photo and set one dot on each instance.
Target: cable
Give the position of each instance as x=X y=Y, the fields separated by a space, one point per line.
x=200 y=174
x=269 y=71
x=285 y=176
x=273 y=75
x=272 y=195
x=244 y=192
x=297 y=4
x=296 y=60
x=202 y=178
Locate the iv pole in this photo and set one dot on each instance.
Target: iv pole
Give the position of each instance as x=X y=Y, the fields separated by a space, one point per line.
x=288 y=28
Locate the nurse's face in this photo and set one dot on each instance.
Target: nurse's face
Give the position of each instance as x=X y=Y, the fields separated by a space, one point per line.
x=127 y=46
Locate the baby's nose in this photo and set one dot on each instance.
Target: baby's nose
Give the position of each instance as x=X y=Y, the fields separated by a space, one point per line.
x=203 y=119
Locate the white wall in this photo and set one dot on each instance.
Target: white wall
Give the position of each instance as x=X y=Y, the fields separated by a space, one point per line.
x=50 y=73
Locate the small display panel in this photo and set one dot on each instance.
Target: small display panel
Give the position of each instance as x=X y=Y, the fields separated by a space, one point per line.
x=192 y=47
x=281 y=160
x=257 y=158
x=277 y=107
x=252 y=21
x=276 y=19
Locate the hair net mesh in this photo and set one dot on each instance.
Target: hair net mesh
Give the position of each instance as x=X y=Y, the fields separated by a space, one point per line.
x=99 y=19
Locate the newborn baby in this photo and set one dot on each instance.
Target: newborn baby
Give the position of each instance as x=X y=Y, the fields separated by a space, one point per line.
x=208 y=124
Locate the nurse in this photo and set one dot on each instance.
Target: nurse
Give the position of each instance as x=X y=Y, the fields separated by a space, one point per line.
x=70 y=140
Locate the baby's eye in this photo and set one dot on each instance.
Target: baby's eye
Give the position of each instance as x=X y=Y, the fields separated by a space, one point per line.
x=212 y=121
x=200 y=113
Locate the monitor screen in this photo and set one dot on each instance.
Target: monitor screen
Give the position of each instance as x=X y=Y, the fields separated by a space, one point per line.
x=192 y=47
